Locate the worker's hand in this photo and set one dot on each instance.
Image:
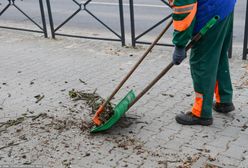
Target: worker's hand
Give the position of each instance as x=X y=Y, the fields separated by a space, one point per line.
x=179 y=55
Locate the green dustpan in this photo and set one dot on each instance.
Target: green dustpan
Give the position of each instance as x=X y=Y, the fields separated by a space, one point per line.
x=125 y=103
x=119 y=111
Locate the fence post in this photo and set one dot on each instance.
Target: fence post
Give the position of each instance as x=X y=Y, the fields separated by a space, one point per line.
x=132 y=22
x=245 y=49
x=123 y=38
x=43 y=18
x=50 y=18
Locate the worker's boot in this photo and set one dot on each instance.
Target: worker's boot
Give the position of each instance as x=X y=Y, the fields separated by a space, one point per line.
x=190 y=119
x=223 y=107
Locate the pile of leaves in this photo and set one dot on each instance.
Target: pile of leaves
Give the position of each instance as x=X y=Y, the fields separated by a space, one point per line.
x=93 y=101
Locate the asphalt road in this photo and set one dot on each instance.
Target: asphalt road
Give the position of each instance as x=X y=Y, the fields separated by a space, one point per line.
x=147 y=13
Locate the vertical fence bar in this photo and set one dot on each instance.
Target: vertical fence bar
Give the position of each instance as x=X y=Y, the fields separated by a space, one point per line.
x=245 y=49
x=50 y=18
x=43 y=18
x=123 y=38
x=132 y=22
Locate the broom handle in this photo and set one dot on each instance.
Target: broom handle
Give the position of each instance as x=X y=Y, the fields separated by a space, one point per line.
x=195 y=39
x=137 y=64
x=189 y=46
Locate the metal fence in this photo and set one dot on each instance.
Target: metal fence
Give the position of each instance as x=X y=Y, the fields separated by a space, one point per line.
x=14 y=4
x=245 y=48
x=82 y=6
x=136 y=38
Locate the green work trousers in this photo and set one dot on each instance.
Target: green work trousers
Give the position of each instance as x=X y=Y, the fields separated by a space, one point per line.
x=210 y=68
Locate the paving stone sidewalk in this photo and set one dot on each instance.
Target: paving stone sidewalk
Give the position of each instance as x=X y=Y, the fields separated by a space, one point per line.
x=146 y=137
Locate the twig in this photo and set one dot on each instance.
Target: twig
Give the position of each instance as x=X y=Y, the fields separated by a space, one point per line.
x=39 y=99
x=82 y=81
x=39 y=115
x=9 y=145
x=12 y=122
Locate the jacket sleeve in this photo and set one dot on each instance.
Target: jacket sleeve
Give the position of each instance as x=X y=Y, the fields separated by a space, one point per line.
x=184 y=12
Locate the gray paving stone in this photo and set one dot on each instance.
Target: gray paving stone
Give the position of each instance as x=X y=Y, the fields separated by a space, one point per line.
x=230 y=131
x=227 y=161
x=213 y=151
x=149 y=163
x=166 y=134
x=241 y=141
x=234 y=151
x=175 y=144
x=220 y=141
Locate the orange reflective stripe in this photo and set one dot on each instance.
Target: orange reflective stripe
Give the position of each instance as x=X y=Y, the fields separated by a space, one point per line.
x=217 y=93
x=197 y=108
x=181 y=25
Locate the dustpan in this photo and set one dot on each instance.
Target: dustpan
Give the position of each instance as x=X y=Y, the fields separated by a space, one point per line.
x=119 y=111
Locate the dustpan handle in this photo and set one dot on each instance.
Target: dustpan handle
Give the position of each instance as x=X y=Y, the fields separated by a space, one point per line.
x=138 y=63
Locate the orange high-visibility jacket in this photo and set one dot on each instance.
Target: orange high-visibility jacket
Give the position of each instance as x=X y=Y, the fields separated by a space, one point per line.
x=189 y=16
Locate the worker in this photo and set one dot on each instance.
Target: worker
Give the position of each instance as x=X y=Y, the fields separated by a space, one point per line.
x=208 y=59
